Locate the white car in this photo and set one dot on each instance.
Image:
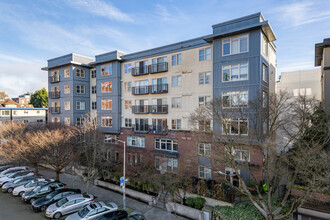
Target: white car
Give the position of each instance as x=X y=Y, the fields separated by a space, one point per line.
x=15 y=176
x=18 y=191
x=11 y=170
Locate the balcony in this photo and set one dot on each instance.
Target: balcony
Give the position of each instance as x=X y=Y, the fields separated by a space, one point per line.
x=159 y=67
x=54 y=95
x=144 y=128
x=158 y=88
x=138 y=71
x=140 y=128
x=158 y=109
x=140 y=109
x=55 y=110
x=140 y=90
x=54 y=79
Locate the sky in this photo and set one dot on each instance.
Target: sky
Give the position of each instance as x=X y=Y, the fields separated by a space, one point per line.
x=33 y=31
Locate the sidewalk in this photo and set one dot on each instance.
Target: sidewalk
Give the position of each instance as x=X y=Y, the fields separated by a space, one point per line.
x=150 y=212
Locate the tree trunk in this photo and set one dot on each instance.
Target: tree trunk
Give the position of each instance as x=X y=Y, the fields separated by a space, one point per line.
x=36 y=169
x=87 y=182
x=57 y=178
x=270 y=217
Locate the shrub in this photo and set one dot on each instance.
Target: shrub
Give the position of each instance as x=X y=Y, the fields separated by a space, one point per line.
x=196 y=203
x=240 y=211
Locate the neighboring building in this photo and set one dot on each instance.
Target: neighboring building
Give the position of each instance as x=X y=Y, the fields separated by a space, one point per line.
x=3 y=96
x=301 y=82
x=26 y=115
x=322 y=58
x=145 y=98
x=24 y=100
x=8 y=103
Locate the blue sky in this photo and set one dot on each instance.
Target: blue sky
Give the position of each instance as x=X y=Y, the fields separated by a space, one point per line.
x=33 y=31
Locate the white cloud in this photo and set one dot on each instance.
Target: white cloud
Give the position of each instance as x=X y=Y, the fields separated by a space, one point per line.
x=170 y=14
x=301 y=13
x=101 y=8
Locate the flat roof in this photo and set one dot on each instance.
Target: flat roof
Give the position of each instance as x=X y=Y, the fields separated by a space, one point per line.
x=9 y=108
x=319 y=51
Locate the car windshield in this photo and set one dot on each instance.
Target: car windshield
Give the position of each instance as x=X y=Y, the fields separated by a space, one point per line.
x=83 y=212
x=51 y=195
x=36 y=189
x=12 y=175
x=17 y=181
x=61 y=202
x=29 y=184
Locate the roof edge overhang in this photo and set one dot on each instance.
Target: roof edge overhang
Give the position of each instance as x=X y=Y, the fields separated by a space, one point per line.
x=65 y=64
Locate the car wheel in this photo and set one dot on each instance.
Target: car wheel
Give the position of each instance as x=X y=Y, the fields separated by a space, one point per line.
x=43 y=208
x=20 y=194
x=57 y=215
x=10 y=190
x=32 y=200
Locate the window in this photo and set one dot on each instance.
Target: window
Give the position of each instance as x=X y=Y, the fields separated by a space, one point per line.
x=93 y=73
x=132 y=158
x=39 y=120
x=128 y=122
x=166 y=164
x=234 y=45
x=204 y=125
x=136 y=141
x=67 y=105
x=66 y=73
x=241 y=155
x=166 y=144
x=176 y=81
x=204 y=101
x=106 y=87
x=106 y=121
x=235 y=72
x=108 y=140
x=302 y=92
x=127 y=68
x=56 y=119
x=26 y=112
x=205 y=54
x=94 y=105
x=128 y=104
x=66 y=89
x=265 y=126
x=67 y=121
x=80 y=105
x=204 y=172
x=80 y=89
x=106 y=104
x=176 y=124
x=128 y=86
x=93 y=89
x=204 y=78
x=176 y=59
x=6 y=112
x=176 y=102
x=106 y=70
x=264 y=99
x=235 y=99
x=204 y=149
x=235 y=126
x=80 y=73
x=264 y=73
x=264 y=45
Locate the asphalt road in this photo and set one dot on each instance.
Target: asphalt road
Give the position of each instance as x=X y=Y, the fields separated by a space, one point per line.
x=12 y=208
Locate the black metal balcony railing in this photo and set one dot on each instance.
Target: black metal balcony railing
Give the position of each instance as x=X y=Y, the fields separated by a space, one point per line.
x=54 y=95
x=140 y=109
x=159 y=67
x=55 y=110
x=158 y=88
x=143 y=70
x=54 y=79
x=145 y=128
x=158 y=109
x=140 y=90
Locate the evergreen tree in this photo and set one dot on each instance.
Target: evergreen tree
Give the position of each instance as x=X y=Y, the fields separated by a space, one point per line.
x=40 y=99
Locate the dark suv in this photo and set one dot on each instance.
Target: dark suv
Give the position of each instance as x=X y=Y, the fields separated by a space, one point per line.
x=41 y=191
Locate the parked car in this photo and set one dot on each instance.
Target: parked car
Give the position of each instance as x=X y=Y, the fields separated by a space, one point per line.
x=11 y=170
x=15 y=176
x=93 y=210
x=42 y=203
x=116 y=215
x=4 y=167
x=68 y=205
x=20 y=190
x=135 y=217
x=9 y=186
x=41 y=191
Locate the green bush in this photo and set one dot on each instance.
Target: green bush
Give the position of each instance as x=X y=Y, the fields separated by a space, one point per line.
x=240 y=211
x=196 y=203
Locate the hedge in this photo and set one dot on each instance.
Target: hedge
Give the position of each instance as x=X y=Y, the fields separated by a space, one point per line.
x=240 y=211
x=196 y=203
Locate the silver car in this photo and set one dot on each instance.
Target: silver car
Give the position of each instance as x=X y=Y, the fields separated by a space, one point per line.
x=68 y=205
x=94 y=210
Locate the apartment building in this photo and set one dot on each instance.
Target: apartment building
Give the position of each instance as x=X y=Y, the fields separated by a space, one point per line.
x=26 y=115
x=146 y=98
x=322 y=59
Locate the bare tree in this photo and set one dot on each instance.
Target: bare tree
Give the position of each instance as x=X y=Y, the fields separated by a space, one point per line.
x=259 y=125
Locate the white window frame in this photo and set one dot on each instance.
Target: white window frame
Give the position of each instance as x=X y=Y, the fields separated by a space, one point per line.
x=80 y=121
x=205 y=102
x=231 y=39
x=207 y=172
x=176 y=59
x=204 y=55
x=176 y=125
x=175 y=104
x=239 y=120
x=94 y=105
x=136 y=141
x=94 y=89
x=67 y=105
x=175 y=82
x=231 y=94
x=264 y=45
x=79 y=105
x=104 y=69
x=128 y=122
x=67 y=89
x=166 y=141
x=93 y=73
x=230 y=67
x=80 y=88
x=202 y=78
x=80 y=73
x=110 y=141
x=205 y=148
x=106 y=121
x=265 y=71
x=67 y=73
x=127 y=68
x=264 y=99
x=240 y=151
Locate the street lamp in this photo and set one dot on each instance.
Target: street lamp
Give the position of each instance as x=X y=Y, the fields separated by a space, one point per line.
x=124 y=170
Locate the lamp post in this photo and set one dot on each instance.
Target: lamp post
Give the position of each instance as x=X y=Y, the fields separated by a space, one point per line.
x=124 y=171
